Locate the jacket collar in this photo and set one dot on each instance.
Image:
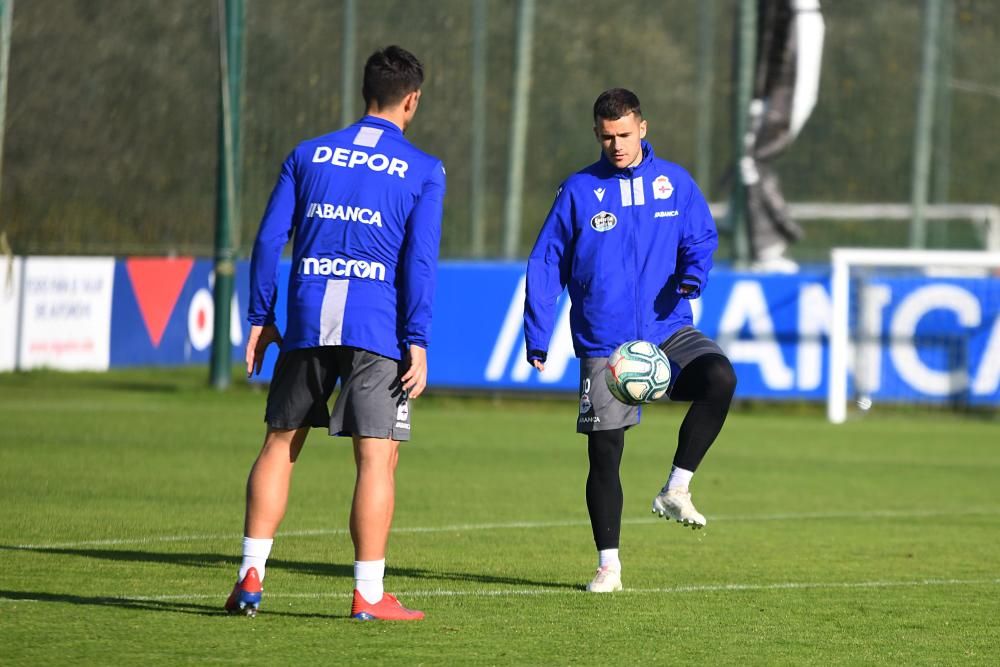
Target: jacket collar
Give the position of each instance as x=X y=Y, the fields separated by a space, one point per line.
x=382 y=123
x=647 y=157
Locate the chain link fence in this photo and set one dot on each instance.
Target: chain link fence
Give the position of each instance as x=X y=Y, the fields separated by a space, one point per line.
x=112 y=118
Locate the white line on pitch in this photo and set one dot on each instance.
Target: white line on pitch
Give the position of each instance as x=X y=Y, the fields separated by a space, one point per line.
x=514 y=592
x=458 y=528
x=714 y=588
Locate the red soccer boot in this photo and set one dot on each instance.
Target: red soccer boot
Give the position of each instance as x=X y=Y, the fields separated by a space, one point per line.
x=386 y=609
x=245 y=598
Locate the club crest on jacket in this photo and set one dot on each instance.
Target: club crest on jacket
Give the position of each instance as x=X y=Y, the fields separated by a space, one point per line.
x=603 y=221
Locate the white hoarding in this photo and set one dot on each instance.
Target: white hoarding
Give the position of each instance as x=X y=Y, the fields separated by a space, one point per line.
x=67 y=313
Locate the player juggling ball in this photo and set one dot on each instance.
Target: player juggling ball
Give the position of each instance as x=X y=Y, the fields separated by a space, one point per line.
x=632 y=238
x=363 y=207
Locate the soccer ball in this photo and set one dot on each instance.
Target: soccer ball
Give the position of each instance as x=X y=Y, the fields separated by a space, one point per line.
x=637 y=372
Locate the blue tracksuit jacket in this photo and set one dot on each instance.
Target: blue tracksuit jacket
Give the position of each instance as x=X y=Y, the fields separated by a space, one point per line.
x=621 y=241
x=365 y=208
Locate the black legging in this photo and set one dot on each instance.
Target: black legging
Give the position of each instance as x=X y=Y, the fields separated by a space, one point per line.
x=708 y=382
x=604 y=486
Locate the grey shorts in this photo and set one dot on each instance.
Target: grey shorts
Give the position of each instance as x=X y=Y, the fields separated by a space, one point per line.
x=371 y=402
x=600 y=411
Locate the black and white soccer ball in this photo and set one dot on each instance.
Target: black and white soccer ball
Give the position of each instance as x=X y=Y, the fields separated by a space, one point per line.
x=637 y=372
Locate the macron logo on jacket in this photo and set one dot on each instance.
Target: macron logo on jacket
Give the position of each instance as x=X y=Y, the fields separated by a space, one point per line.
x=348 y=268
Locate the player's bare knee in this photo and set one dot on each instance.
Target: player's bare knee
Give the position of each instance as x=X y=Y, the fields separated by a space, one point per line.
x=376 y=453
x=284 y=442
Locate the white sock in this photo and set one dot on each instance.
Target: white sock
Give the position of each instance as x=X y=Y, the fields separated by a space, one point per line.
x=609 y=558
x=679 y=478
x=368 y=575
x=255 y=553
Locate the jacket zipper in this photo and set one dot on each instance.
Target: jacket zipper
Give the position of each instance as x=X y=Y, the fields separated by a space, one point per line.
x=635 y=252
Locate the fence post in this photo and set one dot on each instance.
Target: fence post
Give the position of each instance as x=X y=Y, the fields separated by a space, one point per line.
x=227 y=197
x=942 y=112
x=6 y=12
x=925 y=122
x=743 y=71
x=518 y=128
x=348 y=80
x=706 y=79
x=477 y=165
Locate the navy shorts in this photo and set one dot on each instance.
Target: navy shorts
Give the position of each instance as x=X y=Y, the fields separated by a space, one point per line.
x=371 y=402
x=600 y=411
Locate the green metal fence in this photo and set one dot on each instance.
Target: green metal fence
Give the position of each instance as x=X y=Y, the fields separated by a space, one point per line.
x=112 y=130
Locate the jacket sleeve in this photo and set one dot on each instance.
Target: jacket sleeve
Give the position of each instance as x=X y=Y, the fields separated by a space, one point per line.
x=275 y=230
x=698 y=242
x=420 y=254
x=548 y=272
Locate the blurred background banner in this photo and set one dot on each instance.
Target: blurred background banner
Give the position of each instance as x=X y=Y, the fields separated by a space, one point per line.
x=94 y=313
x=111 y=143
x=923 y=338
x=164 y=312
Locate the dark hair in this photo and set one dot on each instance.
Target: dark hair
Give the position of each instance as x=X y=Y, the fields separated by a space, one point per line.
x=391 y=74
x=616 y=103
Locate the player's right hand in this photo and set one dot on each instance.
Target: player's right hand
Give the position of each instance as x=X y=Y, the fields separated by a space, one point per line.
x=260 y=337
x=537 y=363
x=415 y=379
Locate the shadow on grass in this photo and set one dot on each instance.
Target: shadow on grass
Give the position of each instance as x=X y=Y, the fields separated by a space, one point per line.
x=105 y=601
x=341 y=570
x=149 y=604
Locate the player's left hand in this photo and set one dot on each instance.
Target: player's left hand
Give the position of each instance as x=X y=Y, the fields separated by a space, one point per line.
x=258 y=340
x=689 y=288
x=415 y=378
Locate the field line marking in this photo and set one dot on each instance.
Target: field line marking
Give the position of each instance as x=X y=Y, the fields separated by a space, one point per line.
x=791 y=516
x=714 y=588
x=527 y=592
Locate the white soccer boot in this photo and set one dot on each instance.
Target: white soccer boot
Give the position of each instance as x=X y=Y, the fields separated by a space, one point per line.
x=607 y=580
x=676 y=504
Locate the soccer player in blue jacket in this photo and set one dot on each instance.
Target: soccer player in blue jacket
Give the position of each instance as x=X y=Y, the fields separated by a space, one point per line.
x=632 y=238
x=364 y=208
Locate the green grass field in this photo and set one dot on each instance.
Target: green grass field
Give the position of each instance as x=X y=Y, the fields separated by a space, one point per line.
x=122 y=502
